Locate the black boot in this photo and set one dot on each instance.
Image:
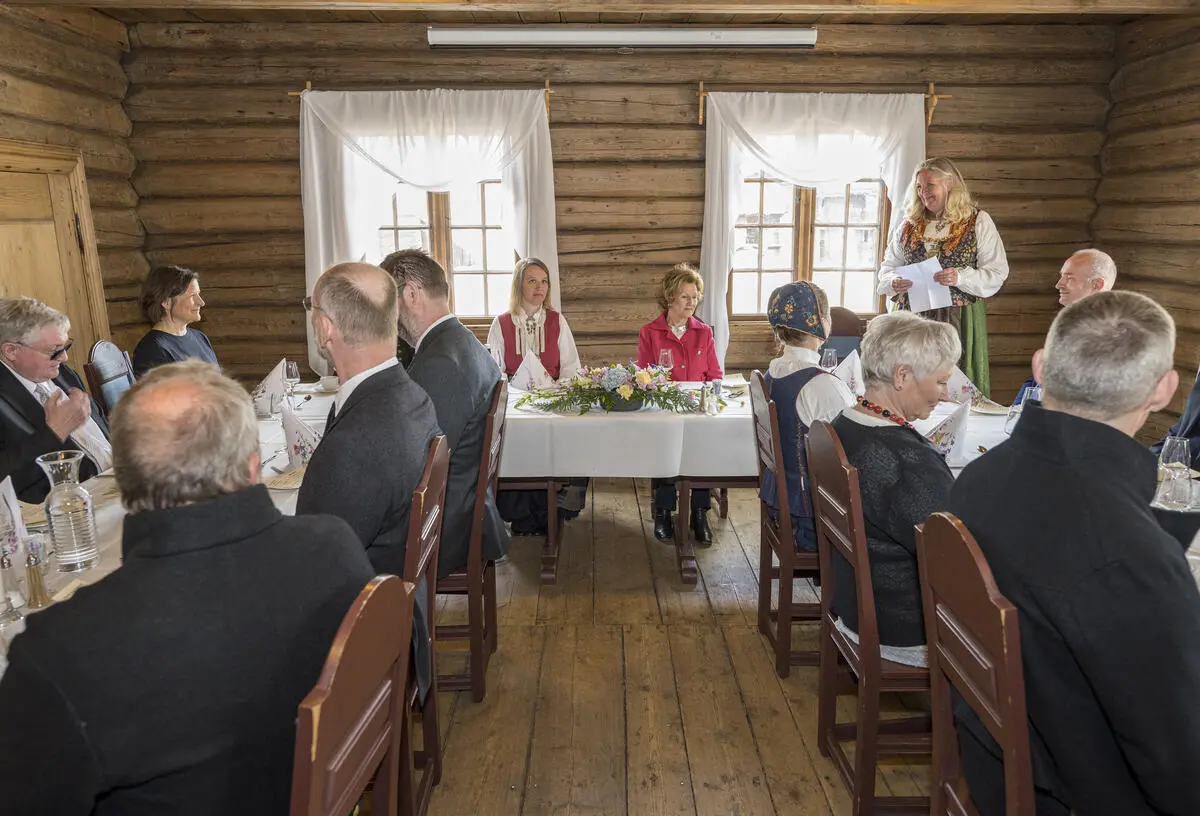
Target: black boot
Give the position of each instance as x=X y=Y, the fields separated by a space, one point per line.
x=664 y=530
x=700 y=527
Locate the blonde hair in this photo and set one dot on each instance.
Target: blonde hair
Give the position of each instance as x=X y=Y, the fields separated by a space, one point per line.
x=680 y=275
x=959 y=203
x=516 y=295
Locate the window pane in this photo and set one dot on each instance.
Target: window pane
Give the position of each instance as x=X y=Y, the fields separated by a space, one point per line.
x=392 y=240
x=497 y=203
x=468 y=295
x=468 y=250
x=748 y=203
x=863 y=250
x=745 y=248
x=501 y=254
x=828 y=251
x=831 y=204
x=498 y=287
x=831 y=282
x=864 y=202
x=777 y=248
x=777 y=203
x=745 y=292
x=466 y=207
x=410 y=207
x=860 y=292
x=770 y=282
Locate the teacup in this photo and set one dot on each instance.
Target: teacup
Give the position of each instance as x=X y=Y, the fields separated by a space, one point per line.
x=329 y=383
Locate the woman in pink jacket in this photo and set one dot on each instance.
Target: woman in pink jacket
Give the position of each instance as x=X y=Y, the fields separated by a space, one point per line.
x=692 y=358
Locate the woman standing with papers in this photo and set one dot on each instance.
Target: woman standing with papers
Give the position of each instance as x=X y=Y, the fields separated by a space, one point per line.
x=943 y=222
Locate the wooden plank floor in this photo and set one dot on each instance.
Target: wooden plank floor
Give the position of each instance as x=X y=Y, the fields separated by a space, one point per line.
x=621 y=691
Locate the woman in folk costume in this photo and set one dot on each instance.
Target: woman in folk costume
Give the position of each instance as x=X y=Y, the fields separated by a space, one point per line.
x=531 y=325
x=803 y=392
x=944 y=222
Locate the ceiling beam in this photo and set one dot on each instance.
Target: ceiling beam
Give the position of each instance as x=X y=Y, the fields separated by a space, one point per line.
x=864 y=7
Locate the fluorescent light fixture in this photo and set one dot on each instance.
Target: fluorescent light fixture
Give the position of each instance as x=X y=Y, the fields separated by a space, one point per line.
x=529 y=36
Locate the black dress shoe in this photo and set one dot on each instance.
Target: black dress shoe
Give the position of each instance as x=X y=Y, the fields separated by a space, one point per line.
x=700 y=528
x=664 y=529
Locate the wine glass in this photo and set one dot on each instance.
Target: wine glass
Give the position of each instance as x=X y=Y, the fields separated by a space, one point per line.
x=1032 y=392
x=829 y=359
x=666 y=359
x=1175 y=467
x=291 y=376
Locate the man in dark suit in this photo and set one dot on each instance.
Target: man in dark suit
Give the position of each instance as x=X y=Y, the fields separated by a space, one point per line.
x=172 y=685
x=459 y=375
x=43 y=406
x=376 y=440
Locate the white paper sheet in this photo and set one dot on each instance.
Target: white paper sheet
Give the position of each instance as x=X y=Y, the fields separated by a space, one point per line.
x=269 y=393
x=850 y=372
x=301 y=438
x=531 y=374
x=926 y=294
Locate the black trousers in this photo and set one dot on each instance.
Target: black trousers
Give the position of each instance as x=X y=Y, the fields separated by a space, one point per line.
x=665 y=495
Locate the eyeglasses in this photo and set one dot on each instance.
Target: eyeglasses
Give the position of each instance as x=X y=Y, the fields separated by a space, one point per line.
x=60 y=351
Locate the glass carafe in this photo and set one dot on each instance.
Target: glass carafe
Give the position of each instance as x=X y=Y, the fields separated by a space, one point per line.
x=69 y=511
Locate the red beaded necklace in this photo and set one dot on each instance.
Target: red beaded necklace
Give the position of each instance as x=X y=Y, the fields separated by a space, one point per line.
x=885 y=413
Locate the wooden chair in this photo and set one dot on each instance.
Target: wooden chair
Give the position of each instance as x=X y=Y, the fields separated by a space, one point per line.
x=109 y=373
x=845 y=334
x=974 y=646
x=420 y=568
x=776 y=541
x=349 y=726
x=478 y=580
x=837 y=505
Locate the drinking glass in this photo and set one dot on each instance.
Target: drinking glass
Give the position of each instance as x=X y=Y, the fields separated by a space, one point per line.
x=829 y=359
x=1175 y=461
x=666 y=359
x=8 y=576
x=291 y=376
x=1032 y=392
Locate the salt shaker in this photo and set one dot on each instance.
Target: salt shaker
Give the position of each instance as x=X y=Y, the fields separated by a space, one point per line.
x=35 y=571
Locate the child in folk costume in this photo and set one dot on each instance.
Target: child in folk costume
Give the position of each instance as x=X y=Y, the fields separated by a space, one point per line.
x=803 y=392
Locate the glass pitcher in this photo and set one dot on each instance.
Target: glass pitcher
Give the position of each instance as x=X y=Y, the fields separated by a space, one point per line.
x=70 y=513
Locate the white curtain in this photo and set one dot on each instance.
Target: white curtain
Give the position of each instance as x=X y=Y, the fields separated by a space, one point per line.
x=803 y=139
x=355 y=144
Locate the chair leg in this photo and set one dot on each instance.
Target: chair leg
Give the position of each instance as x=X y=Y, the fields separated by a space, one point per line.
x=432 y=744
x=866 y=750
x=478 y=642
x=765 y=560
x=408 y=782
x=491 y=616
x=783 y=619
x=723 y=502
x=827 y=692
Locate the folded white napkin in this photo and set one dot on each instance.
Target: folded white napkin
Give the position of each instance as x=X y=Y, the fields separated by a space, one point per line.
x=9 y=496
x=963 y=391
x=300 y=437
x=531 y=374
x=269 y=393
x=949 y=435
x=850 y=372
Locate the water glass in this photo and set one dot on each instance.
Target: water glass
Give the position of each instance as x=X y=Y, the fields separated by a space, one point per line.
x=829 y=359
x=1175 y=491
x=291 y=377
x=666 y=359
x=1033 y=392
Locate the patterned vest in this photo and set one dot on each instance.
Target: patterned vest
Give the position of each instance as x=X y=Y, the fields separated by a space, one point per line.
x=549 y=357
x=957 y=250
x=791 y=440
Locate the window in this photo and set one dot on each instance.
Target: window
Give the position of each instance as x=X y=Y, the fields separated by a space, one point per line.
x=831 y=235
x=463 y=230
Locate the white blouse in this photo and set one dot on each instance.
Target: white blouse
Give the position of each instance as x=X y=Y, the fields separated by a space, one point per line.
x=822 y=398
x=530 y=335
x=983 y=281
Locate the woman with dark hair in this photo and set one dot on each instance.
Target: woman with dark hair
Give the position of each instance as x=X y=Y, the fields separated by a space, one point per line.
x=170 y=301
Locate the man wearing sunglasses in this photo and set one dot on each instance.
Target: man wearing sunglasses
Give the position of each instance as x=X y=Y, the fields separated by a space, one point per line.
x=43 y=406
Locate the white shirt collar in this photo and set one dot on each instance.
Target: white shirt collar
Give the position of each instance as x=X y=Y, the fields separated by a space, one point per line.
x=425 y=333
x=793 y=359
x=30 y=385
x=349 y=385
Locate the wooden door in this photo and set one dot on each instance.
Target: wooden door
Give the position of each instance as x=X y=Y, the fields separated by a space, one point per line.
x=47 y=242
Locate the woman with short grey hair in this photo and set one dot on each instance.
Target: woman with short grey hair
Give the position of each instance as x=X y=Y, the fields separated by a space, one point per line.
x=906 y=361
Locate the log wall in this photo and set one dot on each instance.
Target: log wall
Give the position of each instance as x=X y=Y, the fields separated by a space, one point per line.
x=215 y=136
x=1149 y=201
x=61 y=82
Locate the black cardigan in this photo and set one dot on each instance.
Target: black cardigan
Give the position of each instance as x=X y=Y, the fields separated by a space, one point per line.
x=903 y=479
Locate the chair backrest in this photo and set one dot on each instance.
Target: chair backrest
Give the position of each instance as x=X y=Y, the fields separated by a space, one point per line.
x=489 y=470
x=109 y=373
x=349 y=726
x=838 y=513
x=845 y=322
x=974 y=646
x=770 y=451
x=427 y=514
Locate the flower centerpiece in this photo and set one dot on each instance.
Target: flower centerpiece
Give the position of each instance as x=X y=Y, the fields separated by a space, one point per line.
x=621 y=387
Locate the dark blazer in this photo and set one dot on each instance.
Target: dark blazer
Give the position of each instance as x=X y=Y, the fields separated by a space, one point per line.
x=24 y=435
x=457 y=372
x=172 y=685
x=365 y=470
x=1109 y=616
x=1188 y=425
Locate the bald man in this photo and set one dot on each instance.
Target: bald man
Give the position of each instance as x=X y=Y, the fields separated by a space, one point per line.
x=171 y=686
